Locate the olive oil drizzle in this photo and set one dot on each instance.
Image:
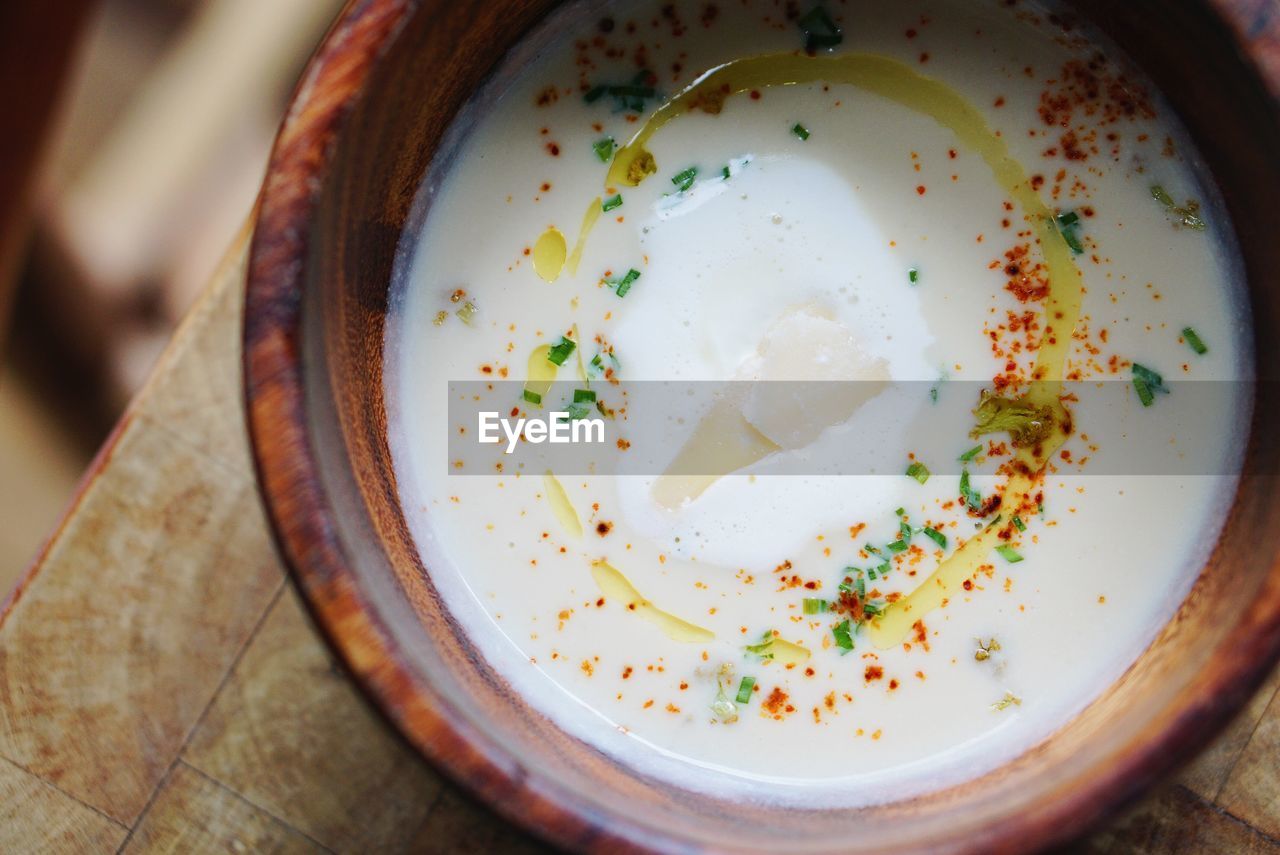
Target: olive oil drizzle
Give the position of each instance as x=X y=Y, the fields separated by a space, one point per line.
x=901 y=84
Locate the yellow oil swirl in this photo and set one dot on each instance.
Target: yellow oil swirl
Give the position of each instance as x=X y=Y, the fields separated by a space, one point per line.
x=903 y=85
x=549 y=254
x=588 y=223
x=617 y=587
x=560 y=505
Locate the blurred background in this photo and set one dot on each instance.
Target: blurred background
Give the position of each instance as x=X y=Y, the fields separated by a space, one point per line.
x=135 y=138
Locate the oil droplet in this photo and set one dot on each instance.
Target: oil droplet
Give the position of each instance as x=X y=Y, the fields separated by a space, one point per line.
x=549 y=254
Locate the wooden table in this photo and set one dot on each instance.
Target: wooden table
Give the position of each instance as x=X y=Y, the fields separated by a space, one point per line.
x=162 y=689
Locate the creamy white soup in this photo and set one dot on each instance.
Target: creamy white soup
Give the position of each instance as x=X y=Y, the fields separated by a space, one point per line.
x=962 y=242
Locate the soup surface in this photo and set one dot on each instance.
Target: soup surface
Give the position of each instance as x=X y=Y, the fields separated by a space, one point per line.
x=952 y=339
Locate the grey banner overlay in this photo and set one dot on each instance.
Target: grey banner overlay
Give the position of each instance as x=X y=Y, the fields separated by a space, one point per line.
x=818 y=428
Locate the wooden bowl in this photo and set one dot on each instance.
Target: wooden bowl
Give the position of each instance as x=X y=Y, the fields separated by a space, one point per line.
x=339 y=192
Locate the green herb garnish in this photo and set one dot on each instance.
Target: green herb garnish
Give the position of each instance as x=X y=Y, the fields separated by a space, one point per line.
x=814 y=605
x=623 y=285
x=1068 y=224
x=843 y=636
x=612 y=202
x=819 y=30
x=684 y=180
x=577 y=411
x=597 y=366
x=800 y=130
x=918 y=471
x=1193 y=341
x=1188 y=215
x=1019 y=524
x=1146 y=383
x=898 y=546
x=561 y=351
x=1026 y=424
x=1008 y=553
x=935 y=535
x=913 y=275
x=764 y=648
x=744 y=690
x=627 y=96
x=970 y=454
x=971 y=497
x=1009 y=700
x=604 y=149
x=584 y=396
x=532 y=397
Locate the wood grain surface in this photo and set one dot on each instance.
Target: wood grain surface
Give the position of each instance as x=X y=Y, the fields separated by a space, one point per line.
x=162 y=690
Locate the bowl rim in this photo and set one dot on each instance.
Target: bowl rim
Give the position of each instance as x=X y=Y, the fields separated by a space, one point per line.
x=302 y=519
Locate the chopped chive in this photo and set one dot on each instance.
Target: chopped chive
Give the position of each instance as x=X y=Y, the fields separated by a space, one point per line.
x=842 y=635
x=561 y=351
x=532 y=397
x=764 y=648
x=1193 y=341
x=1019 y=524
x=800 y=130
x=970 y=454
x=904 y=532
x=898 y=546
x=1073 y=241
x=684 y=180
x=918 y=471
x=628 y=96
x=577 y=411
x=603 y=149
x=1068 y=222
x=612 y=202
x=1008 y=553
x=744 y=690
x=584 y=396
x=819 y=30
x=623 y=285
x=971 y=497
x=597 y=368
x=902 y=512
x=1188 y=215
x=871 y=609
x=1146 y=383
x=913 y=275
x=936 y=536
x=814 y=605
x=1144 y=391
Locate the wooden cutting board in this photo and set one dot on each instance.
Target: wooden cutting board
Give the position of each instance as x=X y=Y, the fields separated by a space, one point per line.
x=162 y=690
